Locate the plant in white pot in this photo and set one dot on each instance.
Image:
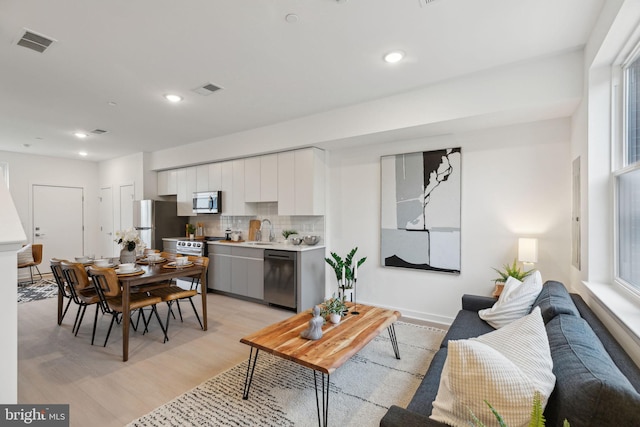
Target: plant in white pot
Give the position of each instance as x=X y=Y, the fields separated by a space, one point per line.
x=334 y=307
x=346 y=269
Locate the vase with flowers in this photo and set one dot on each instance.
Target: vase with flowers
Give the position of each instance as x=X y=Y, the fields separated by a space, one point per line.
x=128 y=240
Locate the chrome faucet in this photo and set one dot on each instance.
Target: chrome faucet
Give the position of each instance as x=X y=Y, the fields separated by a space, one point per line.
x=271 y=235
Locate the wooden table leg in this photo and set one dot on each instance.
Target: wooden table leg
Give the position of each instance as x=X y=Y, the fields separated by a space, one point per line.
x=203 y=291
x=125 y=320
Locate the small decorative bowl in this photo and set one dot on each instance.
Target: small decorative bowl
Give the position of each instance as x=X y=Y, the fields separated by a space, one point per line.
x=311 y=240
x=296 y=240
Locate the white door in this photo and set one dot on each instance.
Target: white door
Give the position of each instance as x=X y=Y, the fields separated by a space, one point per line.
x=126 y=206
x=58 y=222
x=107 y=244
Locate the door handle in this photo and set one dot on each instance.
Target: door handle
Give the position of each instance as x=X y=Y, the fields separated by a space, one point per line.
x=39 y=234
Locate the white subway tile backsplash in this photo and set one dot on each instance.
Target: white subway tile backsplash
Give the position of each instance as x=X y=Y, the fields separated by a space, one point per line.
x=217 y=224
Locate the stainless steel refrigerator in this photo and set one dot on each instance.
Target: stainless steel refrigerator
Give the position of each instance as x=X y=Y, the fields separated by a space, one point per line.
x=155 y=220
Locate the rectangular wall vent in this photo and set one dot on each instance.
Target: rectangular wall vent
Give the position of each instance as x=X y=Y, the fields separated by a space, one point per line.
x=206 y=89
x=98 y=131
x=34 y=41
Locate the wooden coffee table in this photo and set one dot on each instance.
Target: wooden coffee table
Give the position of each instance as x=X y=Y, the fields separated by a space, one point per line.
x=338 y=343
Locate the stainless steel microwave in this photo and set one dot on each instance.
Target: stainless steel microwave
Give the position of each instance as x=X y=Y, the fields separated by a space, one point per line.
x=209 y=202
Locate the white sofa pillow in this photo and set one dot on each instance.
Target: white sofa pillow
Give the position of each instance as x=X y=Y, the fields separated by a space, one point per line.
x=505 y=367
x=25 y=255
x=517 y=301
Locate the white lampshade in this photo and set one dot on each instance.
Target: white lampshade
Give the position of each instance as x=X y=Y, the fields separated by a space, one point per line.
x=528 y=249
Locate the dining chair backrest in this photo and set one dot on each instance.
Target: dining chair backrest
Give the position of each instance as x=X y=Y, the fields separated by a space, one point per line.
x=36 y=250
x=106 y=281
x=199 y=260
x=58 y=275
x=75 y=275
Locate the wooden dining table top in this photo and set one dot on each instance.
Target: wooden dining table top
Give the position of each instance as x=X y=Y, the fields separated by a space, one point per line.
x=338 y=343
x=159 y=272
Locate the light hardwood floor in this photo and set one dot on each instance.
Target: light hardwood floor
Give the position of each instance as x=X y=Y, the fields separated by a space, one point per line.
x=56 y=367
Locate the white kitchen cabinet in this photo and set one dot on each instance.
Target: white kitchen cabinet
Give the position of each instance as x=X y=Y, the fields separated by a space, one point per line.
x=238 y=205
x=261 y=178
x=167 y=185
x=215 y=176
x=186 y=182
x=202 y=178
x=252 y=179
x=301 y=177
x=226 y=186
x=269 y=178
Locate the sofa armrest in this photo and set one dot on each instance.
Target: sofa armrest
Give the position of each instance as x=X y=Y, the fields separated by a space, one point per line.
x=400 y=417
x=477 y=302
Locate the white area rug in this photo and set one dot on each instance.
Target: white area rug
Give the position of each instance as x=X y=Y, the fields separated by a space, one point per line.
x=41 y=289
x=283 y=393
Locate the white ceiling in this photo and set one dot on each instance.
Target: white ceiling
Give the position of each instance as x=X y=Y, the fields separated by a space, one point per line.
x=131 y=52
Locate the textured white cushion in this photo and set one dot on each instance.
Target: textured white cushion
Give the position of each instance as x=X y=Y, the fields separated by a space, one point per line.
x=25 y=255
x=514 y=302
x=505 y=367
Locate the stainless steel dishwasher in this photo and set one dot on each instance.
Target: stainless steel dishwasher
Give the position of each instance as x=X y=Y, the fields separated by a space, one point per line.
x=280 y=287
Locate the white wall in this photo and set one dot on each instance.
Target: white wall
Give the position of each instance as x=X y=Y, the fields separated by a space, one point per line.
x=28 y=170
x=515 y=182
x=11 y=237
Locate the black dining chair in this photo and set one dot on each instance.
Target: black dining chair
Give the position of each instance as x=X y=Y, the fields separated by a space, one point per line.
x=82 y=292
x=110 y=294
x=63 y=288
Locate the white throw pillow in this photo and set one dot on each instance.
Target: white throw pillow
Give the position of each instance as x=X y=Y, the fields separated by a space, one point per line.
x=504 y=367
x=517 y=301
x=25 y=255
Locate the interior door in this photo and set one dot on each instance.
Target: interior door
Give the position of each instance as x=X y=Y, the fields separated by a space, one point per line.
x=126 y=206
x=58 y=222
x=107 y=244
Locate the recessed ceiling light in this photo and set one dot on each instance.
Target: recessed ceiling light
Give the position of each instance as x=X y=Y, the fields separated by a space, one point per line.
x=81 y=135
x=291 y=18
x=83 y=153
x=393 y=57
x=172 y=98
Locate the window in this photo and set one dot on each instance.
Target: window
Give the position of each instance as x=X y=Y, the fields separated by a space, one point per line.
x=627 y=180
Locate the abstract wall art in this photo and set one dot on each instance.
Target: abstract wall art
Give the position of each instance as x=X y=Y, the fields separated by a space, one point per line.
x=420 y=210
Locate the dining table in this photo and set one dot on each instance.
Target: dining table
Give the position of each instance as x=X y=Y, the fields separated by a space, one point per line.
x=155 y=273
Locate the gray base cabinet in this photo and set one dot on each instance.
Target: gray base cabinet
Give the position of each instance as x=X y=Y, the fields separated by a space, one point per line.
x=310 y=270
x=236 y=270
x=239 y=271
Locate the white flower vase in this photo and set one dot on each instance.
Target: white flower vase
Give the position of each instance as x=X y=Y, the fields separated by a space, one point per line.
x=335 y=318
x=127 y=256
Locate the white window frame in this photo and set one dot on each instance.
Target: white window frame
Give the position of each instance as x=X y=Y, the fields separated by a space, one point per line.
x=619 y=158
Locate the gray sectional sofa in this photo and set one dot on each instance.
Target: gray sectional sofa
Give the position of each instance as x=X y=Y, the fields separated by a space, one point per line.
x=597 y=383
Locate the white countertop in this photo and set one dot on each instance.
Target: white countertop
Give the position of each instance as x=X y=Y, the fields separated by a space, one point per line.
x=281 y=246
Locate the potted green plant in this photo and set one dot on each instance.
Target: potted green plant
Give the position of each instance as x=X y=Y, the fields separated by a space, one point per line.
x=334 y=307
x=508 y=270
x=287 y=233
x=343 y=268
x=191 y=229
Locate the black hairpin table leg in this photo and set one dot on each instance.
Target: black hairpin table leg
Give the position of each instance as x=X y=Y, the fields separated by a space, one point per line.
x=250 y=368
x=394 y=340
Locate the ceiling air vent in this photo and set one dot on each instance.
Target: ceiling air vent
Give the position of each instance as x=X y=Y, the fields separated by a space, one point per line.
x=34 y=41
x=206 y=89
x=98 y=131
